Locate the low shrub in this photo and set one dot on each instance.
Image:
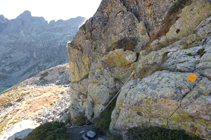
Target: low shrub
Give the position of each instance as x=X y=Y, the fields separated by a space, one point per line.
x=114 y=137
x=103 y=121
x=178 y=5
x=80 y=120
x=201 y=52
x=49 y=131
x=158 y=133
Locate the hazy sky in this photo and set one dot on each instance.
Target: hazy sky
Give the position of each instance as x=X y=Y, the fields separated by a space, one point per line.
x=49 y=9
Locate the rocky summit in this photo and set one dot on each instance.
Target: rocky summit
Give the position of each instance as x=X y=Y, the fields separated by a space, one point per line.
x=31 y=44
x=165 y=45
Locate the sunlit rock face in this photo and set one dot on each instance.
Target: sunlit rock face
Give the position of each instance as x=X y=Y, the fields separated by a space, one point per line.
x=114 y=21
x=145 y=36
x=31 y=44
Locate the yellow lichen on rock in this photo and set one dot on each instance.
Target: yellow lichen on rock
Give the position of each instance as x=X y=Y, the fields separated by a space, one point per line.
x=189 y=18
x=191 y=77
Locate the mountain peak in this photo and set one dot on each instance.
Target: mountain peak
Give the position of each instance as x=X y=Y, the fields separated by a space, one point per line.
x=3 y=19
x=25 y=14
x=2 y=16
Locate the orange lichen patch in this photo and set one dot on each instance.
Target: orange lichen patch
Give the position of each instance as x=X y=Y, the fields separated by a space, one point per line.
x=191 y=77
x=147 y=4
x=170 y=102
x=167 y=101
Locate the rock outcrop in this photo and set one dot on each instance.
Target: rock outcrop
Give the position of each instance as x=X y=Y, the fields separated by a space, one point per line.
x=145 y=36
x=165 y=99
x=31 y=44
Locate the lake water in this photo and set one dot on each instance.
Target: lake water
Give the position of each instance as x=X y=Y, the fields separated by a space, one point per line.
x=3 y=88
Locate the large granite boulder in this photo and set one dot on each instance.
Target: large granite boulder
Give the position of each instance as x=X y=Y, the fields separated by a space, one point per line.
x=165 y=99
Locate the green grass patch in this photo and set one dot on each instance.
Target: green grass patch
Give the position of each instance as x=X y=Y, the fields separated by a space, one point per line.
x=114 y=137
x=189 y=54
x=103 y=121
x=201 y=52
x=80 y=120
x=49 y=131
x=158 y=133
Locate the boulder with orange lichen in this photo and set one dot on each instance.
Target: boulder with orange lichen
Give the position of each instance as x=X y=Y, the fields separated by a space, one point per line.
x=174 y=99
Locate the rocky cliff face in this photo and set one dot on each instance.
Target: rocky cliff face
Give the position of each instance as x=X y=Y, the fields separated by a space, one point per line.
x=145 y=36
x=31 y=44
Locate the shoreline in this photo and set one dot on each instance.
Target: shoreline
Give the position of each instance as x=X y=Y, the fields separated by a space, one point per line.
x=3 y=88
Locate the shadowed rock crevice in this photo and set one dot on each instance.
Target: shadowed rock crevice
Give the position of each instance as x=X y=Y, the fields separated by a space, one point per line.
x=172 y=16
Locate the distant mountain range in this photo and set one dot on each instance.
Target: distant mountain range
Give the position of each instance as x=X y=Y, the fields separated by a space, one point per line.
x=30 y=44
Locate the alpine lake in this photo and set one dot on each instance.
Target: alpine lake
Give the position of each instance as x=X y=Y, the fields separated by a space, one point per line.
x=3 y=89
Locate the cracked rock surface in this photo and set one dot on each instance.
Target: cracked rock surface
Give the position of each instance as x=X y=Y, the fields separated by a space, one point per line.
x=148 y=37
x=165 y=99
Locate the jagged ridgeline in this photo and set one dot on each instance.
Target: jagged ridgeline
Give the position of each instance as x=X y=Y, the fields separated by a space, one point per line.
x=31 y=44
x=167 y=43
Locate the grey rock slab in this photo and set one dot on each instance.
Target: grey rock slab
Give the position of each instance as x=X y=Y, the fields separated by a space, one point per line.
x=164 y=95
x=100 y=93
x=84 y=137
x=91 y=134
x=81 y=132
x=206 y=72
x=19 y=130
x=205 y=61
x=184 y=59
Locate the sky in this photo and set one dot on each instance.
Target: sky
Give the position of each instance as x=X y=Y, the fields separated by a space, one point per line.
x=49 y=9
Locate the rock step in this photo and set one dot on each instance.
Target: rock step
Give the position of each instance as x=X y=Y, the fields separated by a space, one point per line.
x=86 y=132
